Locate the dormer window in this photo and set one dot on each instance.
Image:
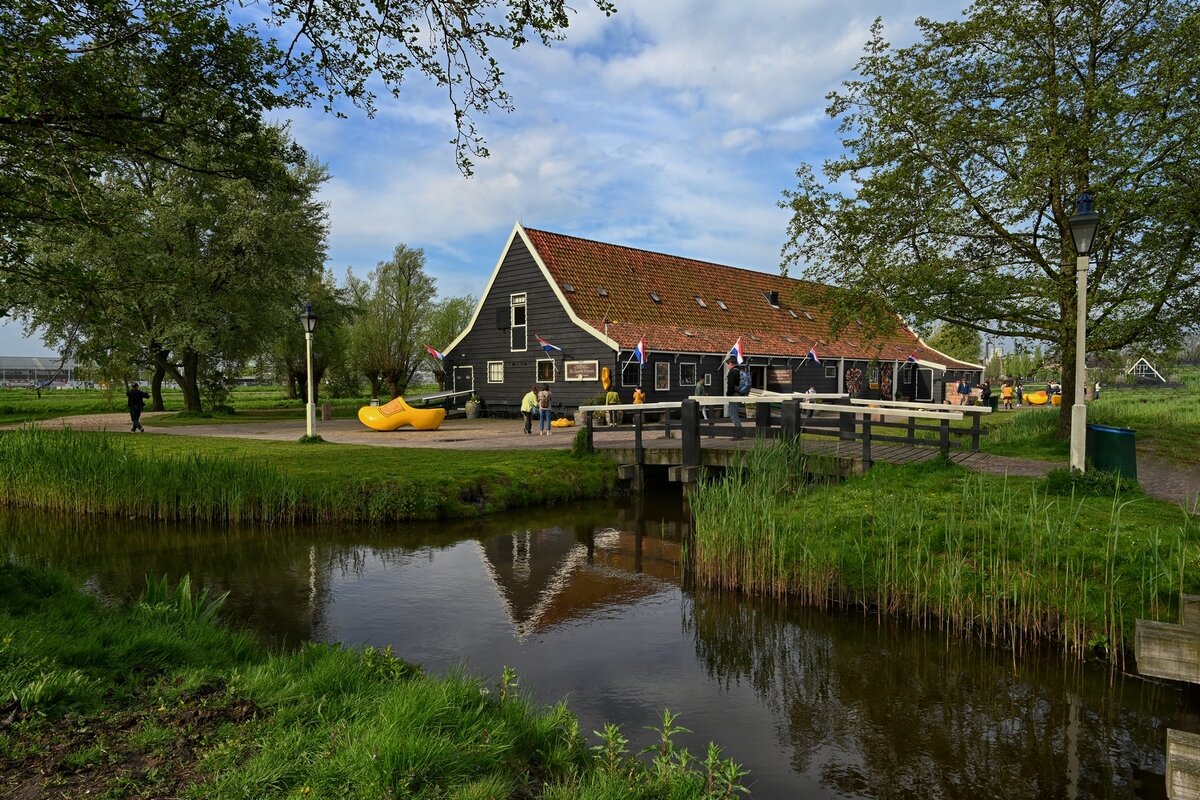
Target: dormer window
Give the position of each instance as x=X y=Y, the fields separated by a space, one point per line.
x=772 y=299
x=654 y=296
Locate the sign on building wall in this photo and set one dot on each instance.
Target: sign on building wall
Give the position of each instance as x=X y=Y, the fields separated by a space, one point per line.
x=582 y=370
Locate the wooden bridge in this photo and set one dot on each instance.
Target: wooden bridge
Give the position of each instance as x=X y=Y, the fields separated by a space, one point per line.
x=852 y=433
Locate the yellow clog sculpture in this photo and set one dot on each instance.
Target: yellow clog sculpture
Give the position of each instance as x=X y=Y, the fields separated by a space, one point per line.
x=397 y=414
x=562 y=422
x=1035 y=398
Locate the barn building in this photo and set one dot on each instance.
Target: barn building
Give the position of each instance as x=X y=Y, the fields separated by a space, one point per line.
x=559 y=310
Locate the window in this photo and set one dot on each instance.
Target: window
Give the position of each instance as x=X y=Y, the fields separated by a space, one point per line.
x=700 y=302
x=662 y=376
x=545 y=370
x=708 y=379
x=631 y=375
x=654 y=296
x=687 y=375
x=495 y=371
x=568 y=288
x=518 y=322
x=602 y=292
x=722 y=306
x=830 y=371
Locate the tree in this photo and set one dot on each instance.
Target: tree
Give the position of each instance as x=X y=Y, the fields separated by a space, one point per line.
x=957 y=342
x=449 y=318
x=289 y=350
x=194 y=275
x=393 y=309
x=967 y=151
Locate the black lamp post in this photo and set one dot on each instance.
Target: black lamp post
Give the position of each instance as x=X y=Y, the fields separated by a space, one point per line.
x=1083 y=223
x=309 y=320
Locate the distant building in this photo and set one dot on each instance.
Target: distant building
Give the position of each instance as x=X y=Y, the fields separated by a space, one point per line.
x=1145 y=373
x=41 y=371
x=591 y=304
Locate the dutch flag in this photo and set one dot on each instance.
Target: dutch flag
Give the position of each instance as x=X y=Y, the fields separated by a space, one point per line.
x=812 y=354
x=549 y=348
x=435 y=354
x=736 y=351
x=912 y=357
x=640 y=353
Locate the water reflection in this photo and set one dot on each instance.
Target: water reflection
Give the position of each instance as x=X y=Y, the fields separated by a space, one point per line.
x=591 y=603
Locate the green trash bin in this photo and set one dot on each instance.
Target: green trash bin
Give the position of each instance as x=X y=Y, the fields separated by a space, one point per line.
x=1112 y=450
x=994 y=402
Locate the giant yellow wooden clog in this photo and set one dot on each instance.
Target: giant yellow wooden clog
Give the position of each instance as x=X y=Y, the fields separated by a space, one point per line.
x=397 y=414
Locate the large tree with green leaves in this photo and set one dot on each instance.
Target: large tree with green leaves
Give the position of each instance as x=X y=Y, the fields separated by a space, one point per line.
x=965 y=152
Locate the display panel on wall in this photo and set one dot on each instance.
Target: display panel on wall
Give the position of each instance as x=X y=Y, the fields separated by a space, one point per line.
x=581 y=370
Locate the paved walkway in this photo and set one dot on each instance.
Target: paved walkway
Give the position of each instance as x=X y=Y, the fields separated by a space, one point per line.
x=1160 y=477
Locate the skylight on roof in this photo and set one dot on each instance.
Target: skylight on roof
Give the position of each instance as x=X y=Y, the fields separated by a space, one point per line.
x=700 y=302
x=807 y=315
x=602 y=292
x=789 y=340
x=654 y=296
x=722 y=306
x=568 y=288
x=793 y=313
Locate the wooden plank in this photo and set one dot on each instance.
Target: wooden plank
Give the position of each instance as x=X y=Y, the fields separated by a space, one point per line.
x=1183 y=765
x=1189 y=610
x=1166 y=650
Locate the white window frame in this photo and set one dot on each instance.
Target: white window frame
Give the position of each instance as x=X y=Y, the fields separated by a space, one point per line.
x=662 y=370
x=491 y=375
x=694 y=367
x=636 y=371
x=519 y=300
x=537 y=370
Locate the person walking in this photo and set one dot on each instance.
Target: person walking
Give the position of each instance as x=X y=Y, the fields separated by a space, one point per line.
x=1096 y=391
x=1020 y=392
x=964 y=390
x=543 y=404
x=1006 y=395
x=612 y=399
x=528 y=404
x=985 y=393
x=136 y=399
x=698 y=391
x=810 y=391
x=733 y=379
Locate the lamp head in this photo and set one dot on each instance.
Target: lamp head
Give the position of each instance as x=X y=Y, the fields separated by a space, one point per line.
x=308 y=319
x=1084 y=223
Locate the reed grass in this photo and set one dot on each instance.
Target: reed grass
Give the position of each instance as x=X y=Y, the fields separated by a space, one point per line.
x=995 y=557
x=211 y=480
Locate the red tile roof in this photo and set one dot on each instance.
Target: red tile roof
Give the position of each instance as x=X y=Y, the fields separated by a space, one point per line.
x=734 y=300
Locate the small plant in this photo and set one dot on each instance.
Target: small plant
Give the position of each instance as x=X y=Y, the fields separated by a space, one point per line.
x=508 y=682
x=1093 y=483
x=613 y=749
x=311 y=440
x=192 y=606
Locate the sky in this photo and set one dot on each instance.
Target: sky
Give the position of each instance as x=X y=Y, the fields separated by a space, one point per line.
x=673 y=126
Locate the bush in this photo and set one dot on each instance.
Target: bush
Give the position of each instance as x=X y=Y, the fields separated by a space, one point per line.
x=1093 y=483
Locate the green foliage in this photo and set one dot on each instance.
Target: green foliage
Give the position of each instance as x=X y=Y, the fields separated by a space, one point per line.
x=957 y=342
x=205 y=478
x=180 y=601
x=999 y=557
x=964 y=154
x=1092 y=483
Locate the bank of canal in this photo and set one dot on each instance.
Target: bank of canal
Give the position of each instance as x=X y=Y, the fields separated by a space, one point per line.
x=594 y=604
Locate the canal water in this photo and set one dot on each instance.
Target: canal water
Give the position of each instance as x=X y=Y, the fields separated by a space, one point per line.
x=593 y=604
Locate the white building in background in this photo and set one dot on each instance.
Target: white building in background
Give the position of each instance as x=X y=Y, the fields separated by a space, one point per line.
x=47 y=372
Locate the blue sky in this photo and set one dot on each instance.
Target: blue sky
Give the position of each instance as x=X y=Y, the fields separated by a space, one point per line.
x=674 y=126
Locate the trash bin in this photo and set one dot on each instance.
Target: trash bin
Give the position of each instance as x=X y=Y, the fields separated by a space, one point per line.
x=994 y=402
x=1112 y=450
x=326 y=412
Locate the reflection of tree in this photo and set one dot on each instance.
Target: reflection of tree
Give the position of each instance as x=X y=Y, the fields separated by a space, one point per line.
x=884 y=711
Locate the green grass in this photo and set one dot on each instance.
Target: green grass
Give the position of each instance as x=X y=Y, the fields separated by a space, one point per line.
x=217 y=479
x=159 y=701
x=1003 y=558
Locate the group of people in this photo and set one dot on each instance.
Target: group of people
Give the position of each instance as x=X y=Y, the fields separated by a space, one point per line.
x=537 y=401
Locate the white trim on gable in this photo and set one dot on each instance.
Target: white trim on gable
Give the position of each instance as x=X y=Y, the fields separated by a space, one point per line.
x=1150 y=366
x=537 y=259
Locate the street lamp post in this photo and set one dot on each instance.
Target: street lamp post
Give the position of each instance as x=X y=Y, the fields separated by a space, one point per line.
x=1083 y=224
x=309 y=320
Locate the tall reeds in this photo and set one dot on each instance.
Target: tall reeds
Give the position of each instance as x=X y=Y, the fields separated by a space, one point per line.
x=978 y=554
x=80 y=473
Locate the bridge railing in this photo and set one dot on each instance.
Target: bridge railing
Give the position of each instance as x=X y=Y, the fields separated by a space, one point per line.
x=793 y=415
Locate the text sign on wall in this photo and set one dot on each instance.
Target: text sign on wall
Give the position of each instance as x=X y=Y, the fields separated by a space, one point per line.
x=582 y=370
x=779 y=378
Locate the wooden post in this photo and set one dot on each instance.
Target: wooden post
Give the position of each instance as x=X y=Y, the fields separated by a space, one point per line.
x=912 y=430
x=866 y=442
x=639 y=455
x=789 y=419
x=846 y=426
x=590 y=429
x=975 y=432
x=689 y=414
x=762 y=420
x=945 y=438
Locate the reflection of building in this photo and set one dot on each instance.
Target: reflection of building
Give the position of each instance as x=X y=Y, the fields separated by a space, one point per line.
x=547 y=577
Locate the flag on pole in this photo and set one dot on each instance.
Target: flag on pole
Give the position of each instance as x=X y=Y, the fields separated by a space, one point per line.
x=549 y=348
x=912 y=357
x=640 y=352
x=812 y=354
x=436 y=355
x=736 y=351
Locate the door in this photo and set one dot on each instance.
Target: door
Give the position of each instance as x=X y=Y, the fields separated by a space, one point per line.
x=464 y=379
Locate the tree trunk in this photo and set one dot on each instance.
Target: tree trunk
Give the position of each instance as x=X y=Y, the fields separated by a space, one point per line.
x=1067 y=370
x=156 y=401
x=189 y=380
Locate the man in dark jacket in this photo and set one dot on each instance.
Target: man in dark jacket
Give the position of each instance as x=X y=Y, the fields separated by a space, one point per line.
x=137 y=401
x=732 y=378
